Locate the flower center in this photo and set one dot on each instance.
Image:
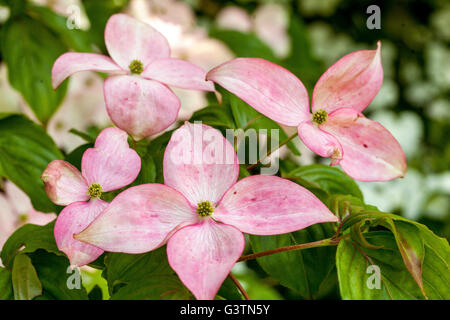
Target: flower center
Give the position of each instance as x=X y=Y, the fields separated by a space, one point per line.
x=136 y=67
x=95 y=191
x=205 y=209
x=320 y=116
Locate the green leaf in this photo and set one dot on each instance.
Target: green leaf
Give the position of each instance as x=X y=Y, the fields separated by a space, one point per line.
x=29 y=238
x=243 y=44
x=215 y=116
x=74 y=158
x=55 y=274
x=358 y=282
x=163 y=287
x=156 y=149
x=330 y=179
x=29 y=66
x=229 y=291
x=25 y=280
x=246 y=118
x=25 y=152
x=123 y=269
x=72 y=38
x=6 y=288
x=310 y=272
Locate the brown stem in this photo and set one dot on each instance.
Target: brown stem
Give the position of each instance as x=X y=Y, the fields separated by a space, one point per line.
x=272 y=151
x=320 y=243
x=239 y=286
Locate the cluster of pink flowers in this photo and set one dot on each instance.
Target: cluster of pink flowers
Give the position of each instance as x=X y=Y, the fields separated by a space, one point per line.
x=202 y=210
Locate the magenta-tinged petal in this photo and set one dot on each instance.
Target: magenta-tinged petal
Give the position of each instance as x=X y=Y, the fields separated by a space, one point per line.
x=203 y=254
x=139 y=106
x=320 y=142
x=178 y=73
x=352 y=82
x=71 y=62
x=64 y=184
x=140 y=219
x=265 y=205
x=128 y=39
x=112 y=163
x=200 y=163
x=371 y=153
x=73 y=219
x=267 y=87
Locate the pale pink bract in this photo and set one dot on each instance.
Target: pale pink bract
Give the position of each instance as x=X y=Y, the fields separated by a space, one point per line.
x=110 y=165
x=202 y=244
x=365 y=150
x=137 y=97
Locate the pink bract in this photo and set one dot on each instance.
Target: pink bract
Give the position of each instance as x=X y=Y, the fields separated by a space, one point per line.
x=202 y=210
x=336 y=128
x=137 y=97
x=110 y=165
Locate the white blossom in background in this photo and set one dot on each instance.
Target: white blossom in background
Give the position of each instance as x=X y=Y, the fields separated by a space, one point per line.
x=411 y=194
x=72 y=9
x=16 y=210
x=83 y=107
x=11 y=101
x=269 y=22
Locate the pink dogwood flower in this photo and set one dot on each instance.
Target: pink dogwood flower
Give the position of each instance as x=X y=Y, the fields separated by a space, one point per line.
x=110 y=165
x=202 y=210
x=136 y=94
x=336 y=128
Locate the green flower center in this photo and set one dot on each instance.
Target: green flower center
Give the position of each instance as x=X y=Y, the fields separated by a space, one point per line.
x=95 y=191
x=205 y=209
x=320 y=116
x=136 y=67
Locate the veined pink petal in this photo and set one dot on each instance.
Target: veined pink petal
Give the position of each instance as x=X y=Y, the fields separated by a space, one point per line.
x=128 y=39
x=71 y=62
x=139 y=106
x=200 y=163
x=266 y=205
x=267 y=87
x=140 y=219
x=178 y=73
x=112 y=163
x=203 y=254
x=73 y=219
x=371 y=153
x=64 y=184
x=352 y=82
x=320 y=142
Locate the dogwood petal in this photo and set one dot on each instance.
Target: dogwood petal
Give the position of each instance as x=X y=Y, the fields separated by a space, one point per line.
x=64 y=184
x=139 y=219
x=73 y=219
x=352 y=82
x=266 y=205
x=112 y=163
x=267 y=87
x=178 y=73
x=203 y=254
x=320 y=142
x=371 y=153
x=128 y=39
x=200 y=163
x=139 y=106
x=72 y=62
